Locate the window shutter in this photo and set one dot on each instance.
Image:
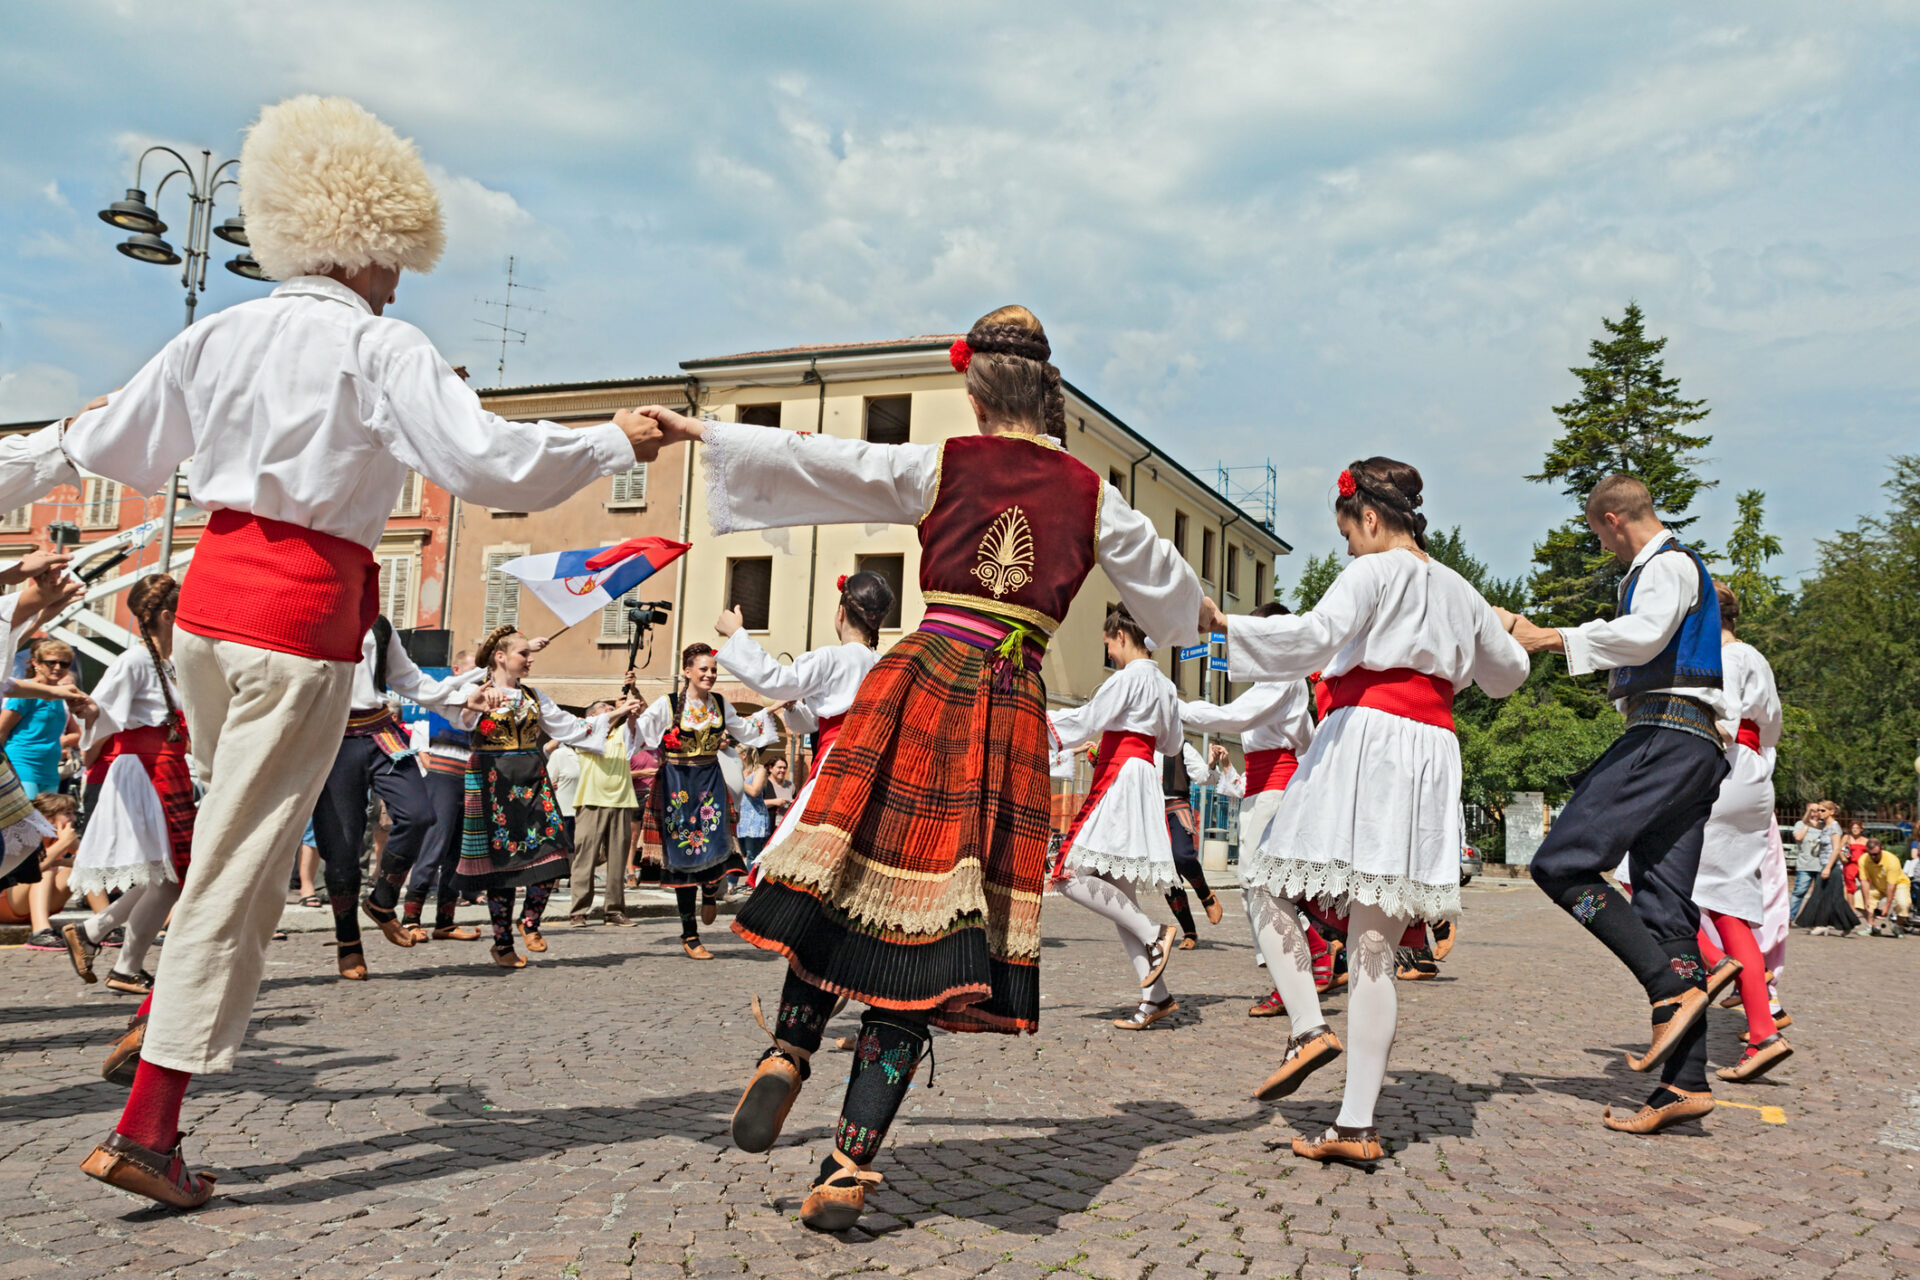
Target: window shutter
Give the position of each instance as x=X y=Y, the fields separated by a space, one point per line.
x=503 y=590
x=630 y=487
x=16 y=520
x=102 y=503
x=750 y=585
x=396 y=590
x=408 y=503
x=613 y=618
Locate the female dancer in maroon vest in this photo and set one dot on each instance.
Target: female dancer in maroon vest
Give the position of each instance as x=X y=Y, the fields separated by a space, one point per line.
x=912 y=883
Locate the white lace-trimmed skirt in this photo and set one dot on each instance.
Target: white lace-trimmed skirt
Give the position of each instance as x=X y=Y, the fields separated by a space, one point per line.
x=1371 y=816
x=1125 y=837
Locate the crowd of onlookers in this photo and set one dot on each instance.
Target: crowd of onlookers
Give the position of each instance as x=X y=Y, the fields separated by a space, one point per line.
x=1876 y=883
x=41 y=738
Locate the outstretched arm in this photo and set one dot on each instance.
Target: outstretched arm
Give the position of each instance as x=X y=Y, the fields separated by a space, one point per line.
x=1155 y=581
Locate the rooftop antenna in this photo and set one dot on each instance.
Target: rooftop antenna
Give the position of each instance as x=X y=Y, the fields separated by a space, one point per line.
x=504 y=325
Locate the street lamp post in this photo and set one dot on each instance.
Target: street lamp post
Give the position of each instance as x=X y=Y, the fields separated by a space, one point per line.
x=145 y=245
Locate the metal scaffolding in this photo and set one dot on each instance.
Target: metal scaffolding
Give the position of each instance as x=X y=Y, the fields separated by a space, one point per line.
x=1254 y=489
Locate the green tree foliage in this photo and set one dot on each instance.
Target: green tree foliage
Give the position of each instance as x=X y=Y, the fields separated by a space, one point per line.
x=1450 y=549
x=1315 y=578
x=1748 y=550
x=1629 y=417
x=1846 y=652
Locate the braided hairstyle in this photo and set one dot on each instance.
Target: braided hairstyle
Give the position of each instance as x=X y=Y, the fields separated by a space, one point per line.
x=1391 y=490
x=483 y=657
x=1011 y=373
x=147 y=599
x=867 y=597
x=1121 y=622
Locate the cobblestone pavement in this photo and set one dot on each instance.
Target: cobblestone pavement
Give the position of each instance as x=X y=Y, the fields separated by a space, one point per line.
x=570 y=1120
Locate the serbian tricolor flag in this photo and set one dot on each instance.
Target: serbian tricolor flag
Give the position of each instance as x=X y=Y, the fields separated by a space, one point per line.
x=578 y=584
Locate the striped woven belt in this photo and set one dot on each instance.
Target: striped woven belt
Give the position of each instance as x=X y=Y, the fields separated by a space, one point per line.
x=1671 y=711
x=987 y=631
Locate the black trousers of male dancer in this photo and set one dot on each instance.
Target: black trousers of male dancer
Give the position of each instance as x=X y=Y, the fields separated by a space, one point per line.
x=340 y=826
x=432 y=874
x=1186 y=861
x=1646 y=800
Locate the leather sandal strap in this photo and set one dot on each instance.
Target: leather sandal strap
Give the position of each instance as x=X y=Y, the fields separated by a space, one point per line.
x=790 y=1050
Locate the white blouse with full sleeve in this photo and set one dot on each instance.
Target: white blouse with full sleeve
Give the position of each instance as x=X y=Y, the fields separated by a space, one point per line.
x=1735 y=848
x=767 y=478
x=1123 y=836
x=588 y=735
x=651 y=725
x=819 y=683
x=1373 y=814
x=1272 y=716
x=125 y=843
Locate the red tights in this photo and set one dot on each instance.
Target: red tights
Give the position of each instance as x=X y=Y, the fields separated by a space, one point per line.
x=152 y=1116
x=1753 y=970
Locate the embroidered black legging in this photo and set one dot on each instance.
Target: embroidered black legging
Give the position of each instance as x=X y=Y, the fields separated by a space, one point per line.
x=888 y=1050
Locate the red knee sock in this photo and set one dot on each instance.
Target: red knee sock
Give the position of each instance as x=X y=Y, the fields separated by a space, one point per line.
x=1753 y=975
x=1415 y=935
x=152 y=1117
x=1316 y=944
x=1709 y=953
x=145 y=1005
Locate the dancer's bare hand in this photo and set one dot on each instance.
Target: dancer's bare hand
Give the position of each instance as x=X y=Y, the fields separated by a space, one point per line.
x=84 y=708
x=1211 y=619
x=642 y=432
x=1533 y=639
x=674 y=426
x=730 y=621
x=1217 y=756
x=538 y=643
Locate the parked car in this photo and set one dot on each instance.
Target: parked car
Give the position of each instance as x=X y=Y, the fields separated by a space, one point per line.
x=1470 y=864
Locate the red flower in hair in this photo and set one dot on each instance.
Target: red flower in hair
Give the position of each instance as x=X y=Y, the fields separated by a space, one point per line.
x=1347 y=487
x=842 y=584
x=961 y=355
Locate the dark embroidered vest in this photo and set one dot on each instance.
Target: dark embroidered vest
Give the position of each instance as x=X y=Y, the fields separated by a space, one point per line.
x=1012 y=530
x=1691 y=659
x=511 y=728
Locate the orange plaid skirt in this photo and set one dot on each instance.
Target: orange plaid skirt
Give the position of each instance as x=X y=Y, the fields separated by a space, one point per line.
x=913 y=880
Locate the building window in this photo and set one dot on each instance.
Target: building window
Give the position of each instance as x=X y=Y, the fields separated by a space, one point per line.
x=100 y=503
x=408 y=503
x=503 y=590
x=1233 y=571
x=1106 y=659
x=1259 y=584
x=613 y=618
x=1118 y=481
x=398 y=570
x=16 y=520
x=750 y=587
x=1180 y=532
x=1206 y=555
x=893 y=569
x=630 y=488
x=758 y=415
x=889 y=419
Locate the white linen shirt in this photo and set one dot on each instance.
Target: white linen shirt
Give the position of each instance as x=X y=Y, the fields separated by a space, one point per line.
x=767 y=478
x=305 y=407
x=651 y=725
x=404 y=677
x=1750 y=693
x=1271 y=716
x=31 y=463
x=1138 y=698
x=1669 y=586
x=820 y=682
x=565 y=728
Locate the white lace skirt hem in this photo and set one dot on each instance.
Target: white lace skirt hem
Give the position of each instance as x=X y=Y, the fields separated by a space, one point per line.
x=1142 y=873
x=85 y=880
x=1336 y=886
x=1124 y=836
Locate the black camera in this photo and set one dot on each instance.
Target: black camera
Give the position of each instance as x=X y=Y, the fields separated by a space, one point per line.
x=63 y=534
x=649 y=613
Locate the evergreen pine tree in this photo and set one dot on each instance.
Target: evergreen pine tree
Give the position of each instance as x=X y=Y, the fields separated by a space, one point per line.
x=1748 y=550
x=1631 y=418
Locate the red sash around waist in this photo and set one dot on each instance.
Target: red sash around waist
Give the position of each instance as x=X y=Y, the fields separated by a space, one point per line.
x=1399 y=691
x=1116 y=748
x=823 y=738
x=279 y=586
x=1749 y=735
x=1270 y=770
x=149 y=742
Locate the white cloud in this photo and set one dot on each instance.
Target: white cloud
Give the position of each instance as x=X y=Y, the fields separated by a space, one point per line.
x=38 y=391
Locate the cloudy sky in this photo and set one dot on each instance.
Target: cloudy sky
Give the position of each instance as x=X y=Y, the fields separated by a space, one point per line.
x=1286 y=231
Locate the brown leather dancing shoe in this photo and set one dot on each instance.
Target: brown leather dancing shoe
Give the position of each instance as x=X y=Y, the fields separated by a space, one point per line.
x=1445 y=934
x=1349 y=1146
x=1724 y=975
x=1271 y=1007
x=1685 y=1106
x=456 y=933
x=388 y=922
x=1758 y=1059
x=1212 y=903
x=709 y=911
x=1416 y=967
x=1688 y=1008
x=694 y=950
x=1782 y=1020
x=770 y=1095
x=160 y=1176
x=81 y=950
x=1306 y=1053
x=1157 y=956
x=353 y=963
x=1141 y=1019
x=836 y=1203
x=123 y=1060
x=534 y=941
x=508 y=958
x=418 y=930
x=1189 y=943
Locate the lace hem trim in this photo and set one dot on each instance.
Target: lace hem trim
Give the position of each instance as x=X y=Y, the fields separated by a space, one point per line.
x=107 y=879
x=1148 y=873
x=713 y=447
x=1335 y=884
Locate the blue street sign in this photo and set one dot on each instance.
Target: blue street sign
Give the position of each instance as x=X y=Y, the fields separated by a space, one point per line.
x=1196 y=651
x=1219 y=637
x=1217 y=664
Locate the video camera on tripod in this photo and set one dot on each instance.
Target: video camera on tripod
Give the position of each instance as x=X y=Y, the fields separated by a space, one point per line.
x=642 y=617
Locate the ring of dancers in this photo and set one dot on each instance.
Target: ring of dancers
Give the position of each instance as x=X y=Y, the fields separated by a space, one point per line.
x=344 y=402
x=1118 y=845
x=912 y=883
x=689 y=727
x=1647 y=798
x=139 y=798
x=1369 y=825
x=820 y=684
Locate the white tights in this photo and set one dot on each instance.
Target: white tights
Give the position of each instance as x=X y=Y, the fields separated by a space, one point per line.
x=143 y=911
x=1114 y=899
x=1373 y=1010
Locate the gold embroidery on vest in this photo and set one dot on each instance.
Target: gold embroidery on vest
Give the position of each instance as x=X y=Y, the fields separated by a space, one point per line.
x=1006 y=554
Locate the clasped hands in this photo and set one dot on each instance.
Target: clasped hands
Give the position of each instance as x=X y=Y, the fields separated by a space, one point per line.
x=1532 y=638
x=652 y=427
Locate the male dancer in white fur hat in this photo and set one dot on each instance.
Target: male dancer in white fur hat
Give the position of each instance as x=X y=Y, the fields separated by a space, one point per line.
x=301 y=413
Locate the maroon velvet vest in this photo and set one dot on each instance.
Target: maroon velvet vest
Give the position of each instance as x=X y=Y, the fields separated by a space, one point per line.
x=1013 y=529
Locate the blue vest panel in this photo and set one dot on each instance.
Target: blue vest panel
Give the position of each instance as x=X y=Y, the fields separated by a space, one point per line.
x=1691 y=659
